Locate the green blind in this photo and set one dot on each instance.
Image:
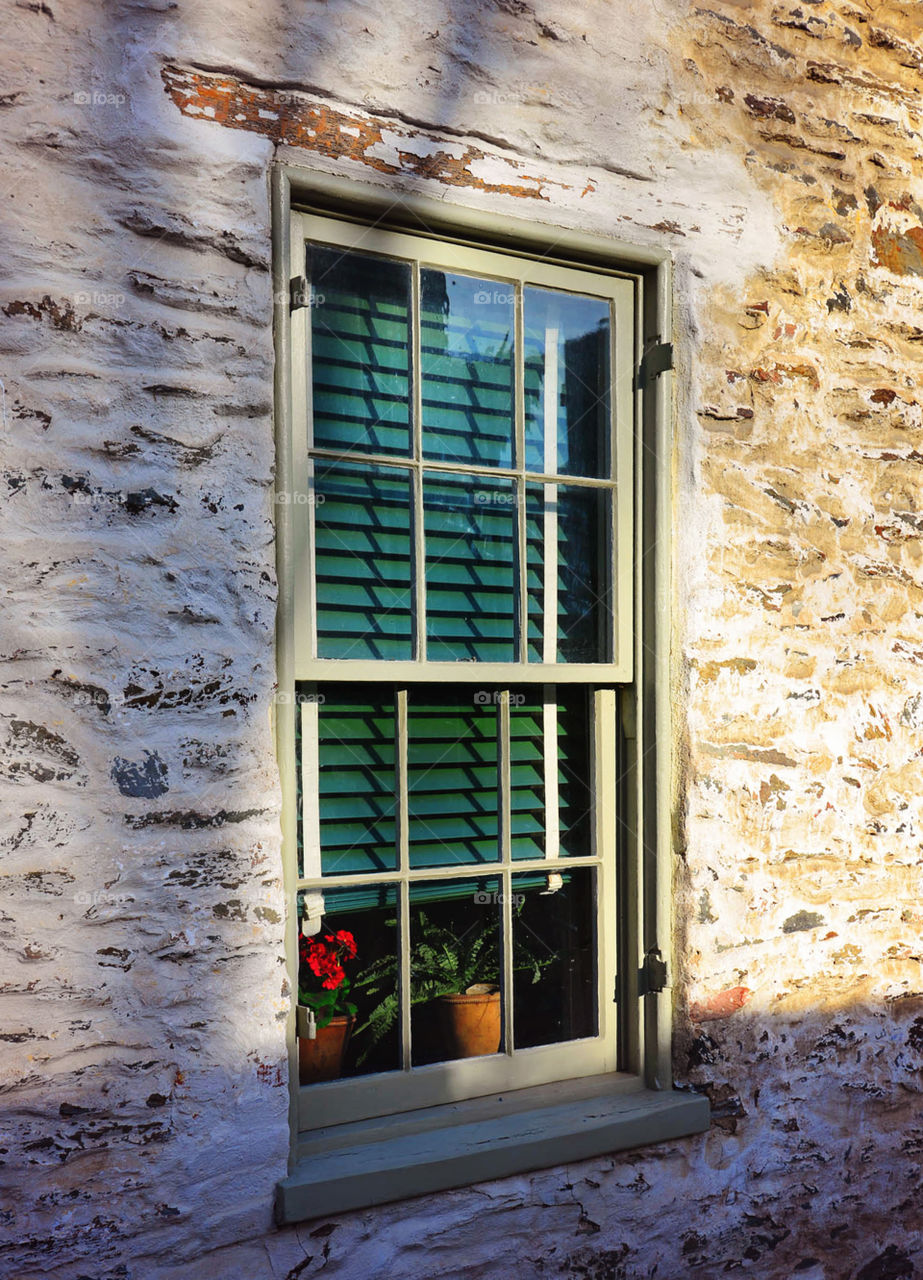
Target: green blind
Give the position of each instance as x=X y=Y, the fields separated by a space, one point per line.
x=470 y=529
x=566 y=523
x=360 y=351
x=362 y=546
x=527 y=777
x=452 y=780
x=357 y=784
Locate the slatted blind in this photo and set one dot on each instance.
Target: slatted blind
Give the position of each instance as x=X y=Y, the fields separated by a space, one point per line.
x=360 y=351
x=470 y=530
x=363 y=547
x=454 y=748
x=574 y=606
x=357 y=782
x=452 y=783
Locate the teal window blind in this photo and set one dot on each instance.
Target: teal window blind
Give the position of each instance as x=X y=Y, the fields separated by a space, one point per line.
x=527 y=776
x=567 y=589
x=456 y=740
x=452 y=780
x=414 y=561
x=470 y=554
x=357 y=782
x=360 y=351
x=363 y=578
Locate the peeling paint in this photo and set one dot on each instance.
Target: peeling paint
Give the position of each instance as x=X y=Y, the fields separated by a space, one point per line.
x=387 y=147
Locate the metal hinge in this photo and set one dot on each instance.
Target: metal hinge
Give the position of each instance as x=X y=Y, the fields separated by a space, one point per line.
x=657 y=359
x=652 y=977
x=298 y=296
x=653 y=973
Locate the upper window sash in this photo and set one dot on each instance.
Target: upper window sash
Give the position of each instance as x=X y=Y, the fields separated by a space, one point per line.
x=541 y=494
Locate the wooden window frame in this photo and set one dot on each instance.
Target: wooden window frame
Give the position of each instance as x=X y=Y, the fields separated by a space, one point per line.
x=354 y=1163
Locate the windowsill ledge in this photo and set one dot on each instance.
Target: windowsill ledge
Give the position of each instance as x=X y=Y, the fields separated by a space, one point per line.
x=454 y=1147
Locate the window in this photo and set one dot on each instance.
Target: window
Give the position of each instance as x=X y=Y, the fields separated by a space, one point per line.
x=459 y=650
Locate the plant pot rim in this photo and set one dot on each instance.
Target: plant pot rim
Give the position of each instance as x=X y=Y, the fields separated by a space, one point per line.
x=301 y=1018
x=473 y=996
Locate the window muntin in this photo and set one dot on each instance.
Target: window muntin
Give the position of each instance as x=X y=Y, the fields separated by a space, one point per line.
x=441 y=570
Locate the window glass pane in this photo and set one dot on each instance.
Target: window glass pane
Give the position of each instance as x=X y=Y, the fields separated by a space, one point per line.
x=467 y=369
x=363 y=561
x=554 y=958
x=527 y=775
x=566 y=358
x=452 y=779
x=470 y=528
x=545 y=797
x=360 y=970
x=575 y=797
x=567 y=575
x=356 y=782
x=360 y=346
x=455 y=961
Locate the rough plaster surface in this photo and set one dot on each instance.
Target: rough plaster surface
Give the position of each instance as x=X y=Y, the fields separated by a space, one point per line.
x=775 y=148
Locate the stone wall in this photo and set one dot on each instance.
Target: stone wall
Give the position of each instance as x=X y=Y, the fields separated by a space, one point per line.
x=774 y=148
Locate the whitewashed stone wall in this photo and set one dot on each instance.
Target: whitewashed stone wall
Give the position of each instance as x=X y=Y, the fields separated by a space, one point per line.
x=775 y=147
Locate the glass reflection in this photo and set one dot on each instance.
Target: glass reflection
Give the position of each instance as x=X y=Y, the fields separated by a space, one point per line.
x=467 y=368
x=566 y=357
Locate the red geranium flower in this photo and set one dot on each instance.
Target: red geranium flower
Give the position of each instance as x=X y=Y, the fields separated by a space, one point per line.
x=325 y=957
x=346 y=940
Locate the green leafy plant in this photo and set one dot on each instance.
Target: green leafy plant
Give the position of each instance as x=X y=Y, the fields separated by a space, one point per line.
x=442 y=962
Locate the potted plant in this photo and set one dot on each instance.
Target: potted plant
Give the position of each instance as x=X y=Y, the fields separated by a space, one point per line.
x=461 y=975
x=325 y=1014
x=458 y=975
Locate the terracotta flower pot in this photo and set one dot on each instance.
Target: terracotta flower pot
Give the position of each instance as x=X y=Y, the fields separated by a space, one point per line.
x=471 y=1021
x=322 y=1057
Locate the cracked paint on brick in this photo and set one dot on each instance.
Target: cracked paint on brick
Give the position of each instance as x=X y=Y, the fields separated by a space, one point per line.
x=292 y=119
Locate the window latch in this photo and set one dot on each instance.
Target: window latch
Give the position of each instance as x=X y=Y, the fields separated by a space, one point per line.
x=657 y=359
x=653 y=973
x=298 y=293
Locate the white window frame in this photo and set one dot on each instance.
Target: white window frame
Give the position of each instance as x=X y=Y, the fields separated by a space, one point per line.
x=625 y=1096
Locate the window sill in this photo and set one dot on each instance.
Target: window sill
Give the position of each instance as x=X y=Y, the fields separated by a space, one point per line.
x=356 y=1166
